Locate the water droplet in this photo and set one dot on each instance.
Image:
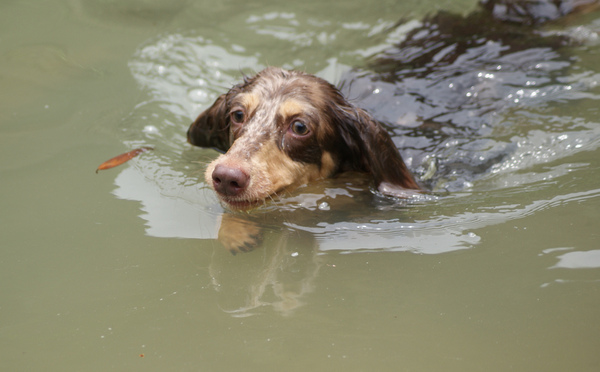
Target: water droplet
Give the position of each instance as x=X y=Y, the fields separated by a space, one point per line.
x=324 y=206
x=150 y=129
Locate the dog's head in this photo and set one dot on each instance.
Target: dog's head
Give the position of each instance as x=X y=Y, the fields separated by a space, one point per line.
x=282 y=129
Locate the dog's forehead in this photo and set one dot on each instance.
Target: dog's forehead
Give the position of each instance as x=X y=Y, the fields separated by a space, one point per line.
x=275 y=108
x=291 y=96
x=277 y=88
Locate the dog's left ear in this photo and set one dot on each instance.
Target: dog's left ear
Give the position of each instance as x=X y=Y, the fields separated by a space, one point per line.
x=211 y=128
x=370 y=149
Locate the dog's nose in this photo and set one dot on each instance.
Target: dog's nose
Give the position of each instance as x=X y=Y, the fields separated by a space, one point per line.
x=229 y=181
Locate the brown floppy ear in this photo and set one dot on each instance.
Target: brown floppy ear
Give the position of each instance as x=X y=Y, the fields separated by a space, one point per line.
x=211 y=128
x=370 y=148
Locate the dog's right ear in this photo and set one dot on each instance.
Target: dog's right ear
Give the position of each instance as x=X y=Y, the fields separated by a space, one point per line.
x=369 y=148
x=211 y=128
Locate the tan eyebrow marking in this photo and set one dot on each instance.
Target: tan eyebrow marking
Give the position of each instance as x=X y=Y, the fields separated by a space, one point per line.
x=250 y=101
x=292 y=107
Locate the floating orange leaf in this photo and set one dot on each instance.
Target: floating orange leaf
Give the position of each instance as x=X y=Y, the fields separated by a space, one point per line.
x=120 y=159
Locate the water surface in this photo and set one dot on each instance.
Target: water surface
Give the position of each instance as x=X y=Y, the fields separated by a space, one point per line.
x=498 y=270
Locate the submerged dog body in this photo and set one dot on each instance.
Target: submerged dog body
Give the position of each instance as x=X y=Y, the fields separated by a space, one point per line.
x=282 y=129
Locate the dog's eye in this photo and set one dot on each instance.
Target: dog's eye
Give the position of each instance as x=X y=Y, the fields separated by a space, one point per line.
x=299 y=128
x=237 y=116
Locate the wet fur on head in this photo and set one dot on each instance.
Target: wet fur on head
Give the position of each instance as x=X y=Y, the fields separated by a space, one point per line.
x=281 y=129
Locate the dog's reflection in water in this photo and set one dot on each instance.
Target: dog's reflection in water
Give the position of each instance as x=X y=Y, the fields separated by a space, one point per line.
x=279 y=275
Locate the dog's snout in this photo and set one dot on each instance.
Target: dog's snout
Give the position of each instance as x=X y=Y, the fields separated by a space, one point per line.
x=229 y=181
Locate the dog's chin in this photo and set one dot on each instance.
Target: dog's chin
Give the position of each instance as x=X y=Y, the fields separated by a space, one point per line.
x=240 y=205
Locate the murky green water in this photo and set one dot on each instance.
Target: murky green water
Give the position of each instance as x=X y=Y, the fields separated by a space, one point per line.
x=120 y=270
